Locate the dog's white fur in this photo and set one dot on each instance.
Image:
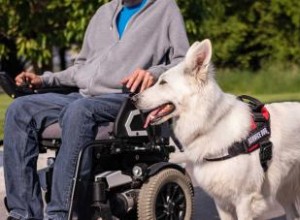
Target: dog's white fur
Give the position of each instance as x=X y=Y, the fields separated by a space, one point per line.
x=208 y=121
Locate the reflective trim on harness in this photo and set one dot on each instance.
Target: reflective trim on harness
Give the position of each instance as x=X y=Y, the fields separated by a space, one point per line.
x=258 y=137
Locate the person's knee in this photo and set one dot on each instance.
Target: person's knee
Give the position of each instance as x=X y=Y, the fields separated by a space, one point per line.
x=16 y=107
x=16 y=119
x=77 y=110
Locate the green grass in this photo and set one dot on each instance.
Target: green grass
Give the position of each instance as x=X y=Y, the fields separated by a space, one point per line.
x=267 y=98
x=271 y=84
x=4 y=102
x=275 y=79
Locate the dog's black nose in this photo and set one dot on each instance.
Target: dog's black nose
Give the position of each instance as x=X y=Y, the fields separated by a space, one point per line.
x=134 y=98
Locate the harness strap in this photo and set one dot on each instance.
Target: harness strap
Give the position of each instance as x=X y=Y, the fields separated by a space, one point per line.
x=176 y=141
x=258 y=137
x=174 y=138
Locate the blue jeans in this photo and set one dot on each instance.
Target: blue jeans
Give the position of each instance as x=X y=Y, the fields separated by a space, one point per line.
x=26 y=118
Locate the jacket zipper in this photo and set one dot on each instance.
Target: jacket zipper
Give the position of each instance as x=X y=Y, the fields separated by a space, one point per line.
x=118 y=37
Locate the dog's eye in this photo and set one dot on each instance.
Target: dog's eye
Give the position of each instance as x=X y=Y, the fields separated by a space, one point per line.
x=162 y=82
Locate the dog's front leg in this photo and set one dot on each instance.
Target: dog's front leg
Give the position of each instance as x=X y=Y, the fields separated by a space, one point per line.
x=250 y=206
x=243 y=211
x=225 y=213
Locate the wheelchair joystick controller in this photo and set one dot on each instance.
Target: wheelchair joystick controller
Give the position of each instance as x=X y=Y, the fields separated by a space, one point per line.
x=25 y=87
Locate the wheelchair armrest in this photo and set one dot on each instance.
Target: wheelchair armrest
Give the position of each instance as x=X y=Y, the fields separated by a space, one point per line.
x=61 y=90
x=129 y=122
x=14 y=91
x=129 y=125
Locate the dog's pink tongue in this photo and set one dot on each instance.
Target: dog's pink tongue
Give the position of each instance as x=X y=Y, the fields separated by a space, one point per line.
x=156 y=113
x=151 y=116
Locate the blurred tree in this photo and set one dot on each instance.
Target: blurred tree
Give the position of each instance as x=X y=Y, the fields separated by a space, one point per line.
x=194 y=12
x=245 y=33
x=33 y=27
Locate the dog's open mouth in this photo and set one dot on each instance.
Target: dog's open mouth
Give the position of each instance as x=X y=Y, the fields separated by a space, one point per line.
x=160 y=114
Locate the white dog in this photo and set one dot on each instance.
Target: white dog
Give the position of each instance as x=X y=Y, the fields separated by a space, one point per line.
x=209 y=121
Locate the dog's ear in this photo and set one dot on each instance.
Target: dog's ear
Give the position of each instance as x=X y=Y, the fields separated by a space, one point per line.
x=198 y=58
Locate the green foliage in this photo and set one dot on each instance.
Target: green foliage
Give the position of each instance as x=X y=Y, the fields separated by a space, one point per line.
x=4 y=103
x=245 y=33
x=35 y=26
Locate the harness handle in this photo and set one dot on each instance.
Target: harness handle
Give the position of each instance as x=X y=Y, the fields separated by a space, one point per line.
x=254 y=103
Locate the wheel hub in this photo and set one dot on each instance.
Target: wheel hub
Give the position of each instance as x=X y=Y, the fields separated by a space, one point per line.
x=170 y=207
x=171 y=198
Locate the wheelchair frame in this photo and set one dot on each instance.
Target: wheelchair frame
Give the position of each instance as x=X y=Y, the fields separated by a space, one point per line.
x=146 y=186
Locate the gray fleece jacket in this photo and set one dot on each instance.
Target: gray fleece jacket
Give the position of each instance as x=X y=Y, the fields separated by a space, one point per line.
x=154 y=39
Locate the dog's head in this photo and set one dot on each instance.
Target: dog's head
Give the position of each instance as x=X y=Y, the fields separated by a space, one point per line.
x=167 y=97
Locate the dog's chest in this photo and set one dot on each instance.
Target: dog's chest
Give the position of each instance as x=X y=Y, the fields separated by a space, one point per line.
x=214 y=182
x=186 y=131
x=228 y=179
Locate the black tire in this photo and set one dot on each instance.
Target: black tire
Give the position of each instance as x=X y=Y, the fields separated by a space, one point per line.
x=166 y=196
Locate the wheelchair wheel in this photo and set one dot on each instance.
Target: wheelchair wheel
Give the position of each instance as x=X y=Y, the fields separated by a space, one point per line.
x=166 y=196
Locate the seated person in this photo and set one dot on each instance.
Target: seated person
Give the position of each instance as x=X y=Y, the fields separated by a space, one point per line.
x=129 y=42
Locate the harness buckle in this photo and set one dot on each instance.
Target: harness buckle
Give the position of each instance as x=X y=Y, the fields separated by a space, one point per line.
x=265 y=153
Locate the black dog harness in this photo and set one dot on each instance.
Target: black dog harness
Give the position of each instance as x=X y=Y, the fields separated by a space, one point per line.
x=258 y=137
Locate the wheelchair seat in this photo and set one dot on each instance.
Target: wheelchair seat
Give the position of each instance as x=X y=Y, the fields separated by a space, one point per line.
x=128 y=125
x=53 y=132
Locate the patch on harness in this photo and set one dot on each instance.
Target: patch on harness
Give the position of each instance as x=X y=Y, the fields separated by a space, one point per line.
x=254 y=138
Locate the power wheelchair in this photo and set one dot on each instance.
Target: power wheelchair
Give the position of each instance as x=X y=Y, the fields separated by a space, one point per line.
x=131 y=175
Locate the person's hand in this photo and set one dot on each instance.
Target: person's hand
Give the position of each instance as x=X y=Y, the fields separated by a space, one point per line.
x=28 y=78
x=139 y=77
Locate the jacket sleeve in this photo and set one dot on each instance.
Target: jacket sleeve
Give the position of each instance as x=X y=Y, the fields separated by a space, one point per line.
x=178 y=42
x=66 y=77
